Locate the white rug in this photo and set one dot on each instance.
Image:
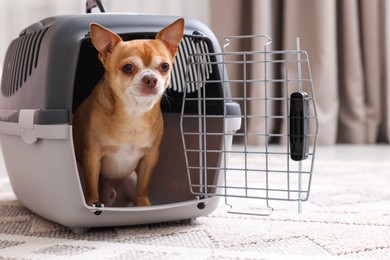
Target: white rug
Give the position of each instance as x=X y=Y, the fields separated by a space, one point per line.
x=347 y=217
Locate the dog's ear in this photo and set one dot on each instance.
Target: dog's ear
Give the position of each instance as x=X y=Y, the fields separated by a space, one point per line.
x=172 y=35
x=104 y=40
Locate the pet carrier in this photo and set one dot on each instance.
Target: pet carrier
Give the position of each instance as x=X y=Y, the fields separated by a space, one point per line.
x=52 y=67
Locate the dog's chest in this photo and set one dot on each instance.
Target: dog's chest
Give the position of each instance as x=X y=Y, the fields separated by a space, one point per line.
x=123 y=149
x=120 y=161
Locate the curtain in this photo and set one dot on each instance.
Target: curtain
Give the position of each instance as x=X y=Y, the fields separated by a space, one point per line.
x=345 y=41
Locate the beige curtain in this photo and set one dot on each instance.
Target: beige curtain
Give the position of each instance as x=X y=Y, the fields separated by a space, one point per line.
x=345 y=41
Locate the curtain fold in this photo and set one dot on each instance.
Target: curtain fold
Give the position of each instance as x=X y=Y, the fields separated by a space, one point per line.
x=344 y=40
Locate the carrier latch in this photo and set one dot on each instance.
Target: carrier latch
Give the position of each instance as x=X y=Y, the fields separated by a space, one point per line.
x=26 y=125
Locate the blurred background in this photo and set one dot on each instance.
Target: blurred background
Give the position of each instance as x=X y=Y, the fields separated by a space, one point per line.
x=347 y=41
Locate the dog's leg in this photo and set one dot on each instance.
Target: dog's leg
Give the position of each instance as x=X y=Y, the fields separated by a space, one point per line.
x=91 y=169
x=144 y=173
x=130 y=186
x=107 y=192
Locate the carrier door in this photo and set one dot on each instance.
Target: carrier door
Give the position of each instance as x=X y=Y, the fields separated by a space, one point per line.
x=255 y=141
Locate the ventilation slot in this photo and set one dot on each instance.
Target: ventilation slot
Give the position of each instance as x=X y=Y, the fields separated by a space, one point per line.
x=190 y=47
x=20 y=61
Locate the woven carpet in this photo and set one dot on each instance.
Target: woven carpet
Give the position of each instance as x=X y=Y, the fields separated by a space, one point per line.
x=347 y=217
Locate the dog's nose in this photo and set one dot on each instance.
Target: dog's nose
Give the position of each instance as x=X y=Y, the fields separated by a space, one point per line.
x=149 y=81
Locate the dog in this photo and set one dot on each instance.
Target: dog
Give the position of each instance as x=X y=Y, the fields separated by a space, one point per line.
x=118 y=128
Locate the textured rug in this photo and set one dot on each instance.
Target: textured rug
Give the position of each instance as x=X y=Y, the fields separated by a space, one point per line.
x=347 y=217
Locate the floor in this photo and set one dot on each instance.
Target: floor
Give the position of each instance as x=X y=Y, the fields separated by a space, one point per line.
x=373 y=153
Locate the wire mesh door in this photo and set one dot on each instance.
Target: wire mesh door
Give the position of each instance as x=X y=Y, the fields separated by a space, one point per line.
x=265 y=153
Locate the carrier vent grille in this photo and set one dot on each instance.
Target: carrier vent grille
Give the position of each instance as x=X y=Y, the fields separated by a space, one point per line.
x=188 y=47
x=20 y=61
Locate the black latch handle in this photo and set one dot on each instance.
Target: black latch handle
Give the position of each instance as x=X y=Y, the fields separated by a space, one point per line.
x=299 y=126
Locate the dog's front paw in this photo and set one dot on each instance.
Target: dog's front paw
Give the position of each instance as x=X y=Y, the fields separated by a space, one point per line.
x=141 y=202
x=91 y=201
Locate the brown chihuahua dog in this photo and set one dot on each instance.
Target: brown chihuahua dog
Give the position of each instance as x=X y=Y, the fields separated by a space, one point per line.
x=119 y=127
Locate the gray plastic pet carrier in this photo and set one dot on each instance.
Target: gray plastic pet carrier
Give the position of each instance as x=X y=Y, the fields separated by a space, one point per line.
x=52 y=67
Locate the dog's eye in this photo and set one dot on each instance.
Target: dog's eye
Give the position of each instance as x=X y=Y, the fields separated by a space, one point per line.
x=164 y=67
x=128 y=68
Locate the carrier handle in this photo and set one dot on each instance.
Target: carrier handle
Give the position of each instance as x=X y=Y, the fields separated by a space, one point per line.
x=90 y=4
